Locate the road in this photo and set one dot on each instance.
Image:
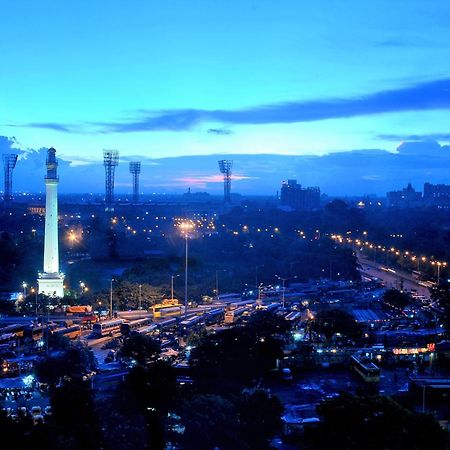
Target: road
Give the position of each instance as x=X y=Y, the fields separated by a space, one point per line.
x=392 y=280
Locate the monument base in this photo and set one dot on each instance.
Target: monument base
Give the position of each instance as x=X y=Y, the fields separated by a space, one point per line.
x=51 y=285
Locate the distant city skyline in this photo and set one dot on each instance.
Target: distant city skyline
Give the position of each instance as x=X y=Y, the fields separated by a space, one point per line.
x=358 y=172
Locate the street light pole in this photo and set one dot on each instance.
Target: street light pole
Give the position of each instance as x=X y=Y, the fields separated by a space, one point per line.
x=185 y=227
x=217 y=282
x=423 y=398
x=284 y=286
x=36 y=298
x=217 y=285
x=111 y=299
x=172 y=277
x=256 y=275
x=283 y=280
x=186 y=276
x=140 y=296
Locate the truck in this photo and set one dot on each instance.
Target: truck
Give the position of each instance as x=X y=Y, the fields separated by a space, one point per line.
x=78 y=309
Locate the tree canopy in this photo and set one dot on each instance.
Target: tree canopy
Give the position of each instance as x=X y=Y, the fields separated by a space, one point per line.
x=141 y=348
x=396 y=298
x=331 y=321
x=375 y=423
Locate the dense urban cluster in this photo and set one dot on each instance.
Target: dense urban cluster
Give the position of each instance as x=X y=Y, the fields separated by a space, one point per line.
x=201 y=325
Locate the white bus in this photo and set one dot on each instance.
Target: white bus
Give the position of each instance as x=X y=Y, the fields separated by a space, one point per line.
x=107 y=327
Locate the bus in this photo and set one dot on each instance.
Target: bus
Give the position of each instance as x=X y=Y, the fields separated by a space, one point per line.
x=368 y=370
x=417 y=275
x=387 y=269
x=78 y=309
x=128 y=327
x=72 y=332
x=146 y=330
x=213 y=316
x=248 y=303
x=269 y=307
x=7 y=340
x=233 y=315
x=229 y=298
x=17 y=330
x=427 y=284
x=167 y=308
x=107 y=327
x=35 y=333
x=293 y=316
x=89 y=319
x=167 y=324
x=272 y=307
x=190 y=323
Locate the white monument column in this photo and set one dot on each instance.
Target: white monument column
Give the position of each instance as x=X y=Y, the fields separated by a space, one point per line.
x=51 y=281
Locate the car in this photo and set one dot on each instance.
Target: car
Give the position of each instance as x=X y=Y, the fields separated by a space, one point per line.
x=7 y=412
x=110 y=357
x=128 y=362
x=184 y=380
x=38 y=419
x=36 y=411
x=89 y=375
x=286 y=374
x=48 y=410
x=332 y=395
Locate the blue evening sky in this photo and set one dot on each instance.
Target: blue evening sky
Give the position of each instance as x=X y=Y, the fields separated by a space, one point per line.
x=171 y=78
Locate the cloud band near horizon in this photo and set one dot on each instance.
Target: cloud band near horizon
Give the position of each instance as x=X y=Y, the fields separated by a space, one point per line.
x=430 y=95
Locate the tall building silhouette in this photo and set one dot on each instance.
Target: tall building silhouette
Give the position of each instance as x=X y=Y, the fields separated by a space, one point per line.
x=51 y=280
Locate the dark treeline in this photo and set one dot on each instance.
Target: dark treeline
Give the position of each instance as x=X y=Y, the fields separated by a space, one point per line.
x=245 y=238
x=228 y=405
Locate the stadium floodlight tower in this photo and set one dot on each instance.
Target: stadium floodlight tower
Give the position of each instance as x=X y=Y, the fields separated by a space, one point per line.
x=110 y=161
x=135 y=170
x=9 y=162
x=225 y=166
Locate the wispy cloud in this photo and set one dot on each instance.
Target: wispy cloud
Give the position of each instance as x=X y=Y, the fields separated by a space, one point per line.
x=210 y=179
x=418 y=97
x=48 y=126
x=415 y=137
x=219 y=131
x=393 y=42
x=430 y=95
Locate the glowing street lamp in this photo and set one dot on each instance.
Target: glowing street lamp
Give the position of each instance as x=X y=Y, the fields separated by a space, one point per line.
x=217 y=282
x=83 y=288
x=71 y=238
x=140 y=296
x=284 y=281
x=34 y=290
x=111 y=299
x=185 y=227
x=171 y=284
x=24 y=286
